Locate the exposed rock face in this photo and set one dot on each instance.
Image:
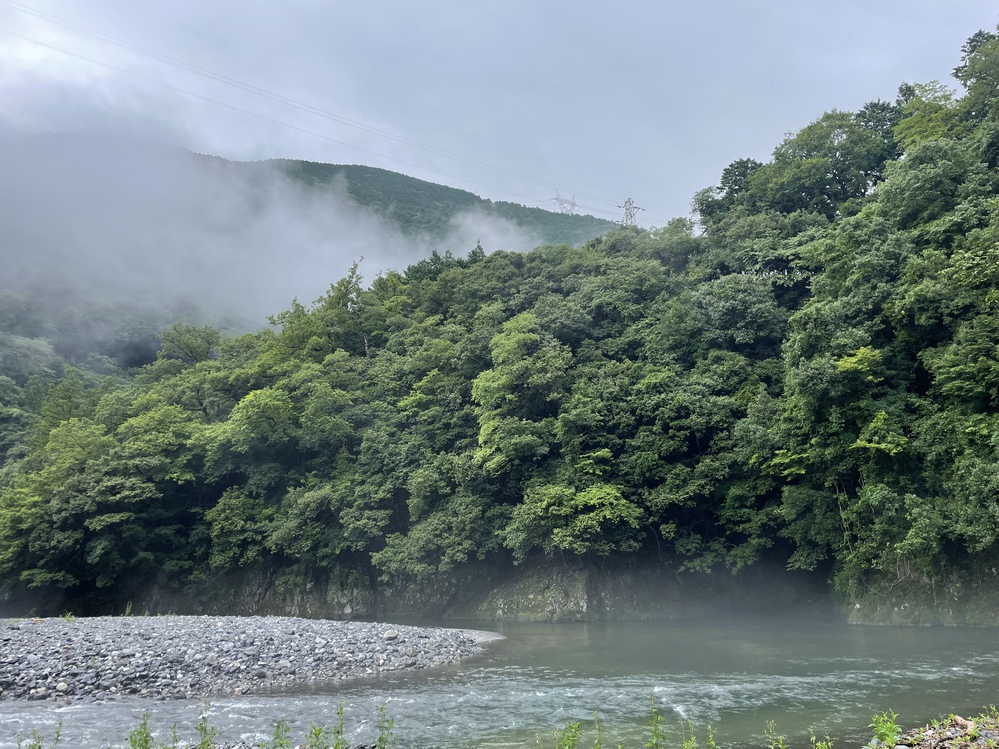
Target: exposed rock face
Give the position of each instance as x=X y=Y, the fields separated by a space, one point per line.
x=165 y=657
x=545 y=590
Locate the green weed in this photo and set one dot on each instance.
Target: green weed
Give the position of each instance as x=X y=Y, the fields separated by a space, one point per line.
x=657 y=725
x=339 y=742
x=318 y=737
x=598 y=738
x=568 y=737
x=206 y=732
x=688 y=738
x=140 y=736
x=886 y=729
x=282 y=736
x=37 y=741
x=818 y=743
x=711 y=739
x=386 y=730
x=774 y=739
x=34 y=740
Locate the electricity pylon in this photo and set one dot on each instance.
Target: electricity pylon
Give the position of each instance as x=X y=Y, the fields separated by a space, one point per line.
x=565 y=205
x=630 y=211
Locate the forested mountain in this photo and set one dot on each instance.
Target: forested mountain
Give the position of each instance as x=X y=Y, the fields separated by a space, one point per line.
x=424 y=208
x=809 y=372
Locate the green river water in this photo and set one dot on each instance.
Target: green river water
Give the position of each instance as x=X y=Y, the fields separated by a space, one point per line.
x=735 y=675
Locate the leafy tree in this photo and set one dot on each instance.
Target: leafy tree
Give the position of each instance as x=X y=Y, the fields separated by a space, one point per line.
x=189 y=343
x=929 y=113
x=518 y=394
x=557 y=517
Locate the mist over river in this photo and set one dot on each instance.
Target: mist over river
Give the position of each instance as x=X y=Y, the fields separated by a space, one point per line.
x=734 y=675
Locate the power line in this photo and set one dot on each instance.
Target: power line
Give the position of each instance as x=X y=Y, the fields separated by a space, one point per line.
x=226 y=80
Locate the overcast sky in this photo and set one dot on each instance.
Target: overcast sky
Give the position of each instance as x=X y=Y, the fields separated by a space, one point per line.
x=602 y=100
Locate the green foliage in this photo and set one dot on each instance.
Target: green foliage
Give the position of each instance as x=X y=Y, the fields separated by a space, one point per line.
x=281 y=738
x=556 y=517
x=188 y=343
x=928 y=183
x=568 y=737
x=339 y=742
x=657 y=725
x=774 y=739
x=386 y=730
x=928 y=114
x=808 y=374
x=238 y=528
x=206 y=731
x=37 y=741
x=885 y=728
x=818 y=743
x=141 y=737
x=318 y=737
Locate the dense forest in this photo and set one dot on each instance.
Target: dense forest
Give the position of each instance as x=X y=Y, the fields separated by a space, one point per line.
x=808 y=371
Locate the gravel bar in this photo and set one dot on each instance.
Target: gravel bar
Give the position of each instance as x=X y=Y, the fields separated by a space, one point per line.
x=183 y=657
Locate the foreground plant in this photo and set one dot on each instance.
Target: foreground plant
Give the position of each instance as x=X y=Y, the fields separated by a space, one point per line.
x=774 y=739
x=886 y=728
x=141 y=737
x=37 y=741
x=386 y=730
x=818 y=743
x=282 y=736
x=657 y=725
x=206 y=732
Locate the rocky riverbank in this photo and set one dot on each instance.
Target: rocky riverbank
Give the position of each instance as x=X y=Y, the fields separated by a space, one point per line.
x=177 y=657
x=953 y=732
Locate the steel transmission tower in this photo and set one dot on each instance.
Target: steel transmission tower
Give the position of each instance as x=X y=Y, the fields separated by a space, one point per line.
x=565 y=205
x=630 y=211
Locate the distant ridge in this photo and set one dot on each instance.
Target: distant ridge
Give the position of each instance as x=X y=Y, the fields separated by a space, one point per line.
x=420 y=207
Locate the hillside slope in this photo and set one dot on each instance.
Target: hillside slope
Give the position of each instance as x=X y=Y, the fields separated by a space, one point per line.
x=420 y=207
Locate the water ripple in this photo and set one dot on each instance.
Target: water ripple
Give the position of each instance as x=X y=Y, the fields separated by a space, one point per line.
x=542 y=677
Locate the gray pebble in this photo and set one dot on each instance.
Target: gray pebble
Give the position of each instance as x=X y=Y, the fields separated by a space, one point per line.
x=176 y=657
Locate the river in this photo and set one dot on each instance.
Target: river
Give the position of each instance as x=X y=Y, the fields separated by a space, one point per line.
x=733 y=675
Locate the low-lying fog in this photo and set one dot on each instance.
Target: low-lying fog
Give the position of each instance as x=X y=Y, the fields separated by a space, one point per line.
x=121 y=221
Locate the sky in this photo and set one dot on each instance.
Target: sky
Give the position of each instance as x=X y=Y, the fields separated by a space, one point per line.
x=515 y=100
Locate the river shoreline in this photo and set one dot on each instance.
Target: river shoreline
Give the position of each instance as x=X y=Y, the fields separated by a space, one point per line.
x=185 y=657
x=734 y=675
